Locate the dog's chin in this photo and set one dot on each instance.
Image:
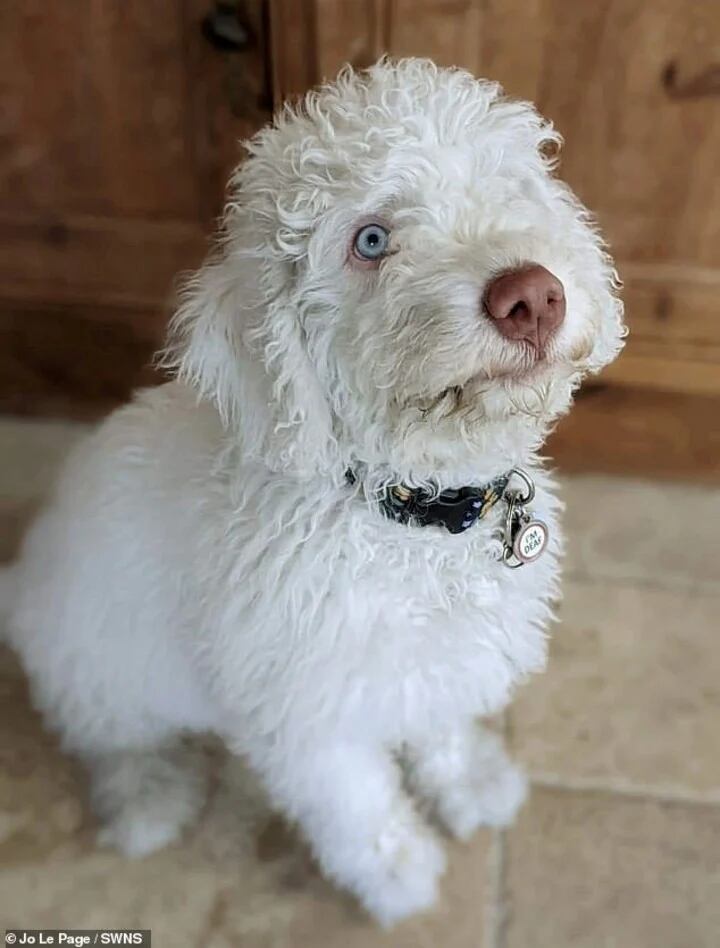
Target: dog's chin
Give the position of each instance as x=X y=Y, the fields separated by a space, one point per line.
x=516 y=377
x=525 y=367
x=526 y=380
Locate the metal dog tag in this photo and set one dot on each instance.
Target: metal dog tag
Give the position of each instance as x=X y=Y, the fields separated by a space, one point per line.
x=529 y=540
x=525 y=537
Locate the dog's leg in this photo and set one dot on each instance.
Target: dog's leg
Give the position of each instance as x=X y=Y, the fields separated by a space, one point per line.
x=146 y=797
x=467 y=778
x=362 y=826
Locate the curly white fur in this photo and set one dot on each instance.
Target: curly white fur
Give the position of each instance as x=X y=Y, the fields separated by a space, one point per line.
x=205 y=566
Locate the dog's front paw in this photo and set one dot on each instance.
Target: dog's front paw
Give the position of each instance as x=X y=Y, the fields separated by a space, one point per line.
x=403 y=873
x=490 y=796
x=138 y=835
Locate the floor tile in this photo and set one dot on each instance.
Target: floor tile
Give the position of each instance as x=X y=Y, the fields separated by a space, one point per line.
x=632 y=530
x=590 y=870
x=631 y=694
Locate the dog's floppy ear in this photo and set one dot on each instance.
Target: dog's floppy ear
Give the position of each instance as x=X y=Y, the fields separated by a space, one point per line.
x=238 y=340
x=238 y=336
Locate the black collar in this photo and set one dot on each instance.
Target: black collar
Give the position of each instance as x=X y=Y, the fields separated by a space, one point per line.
x=456 y=510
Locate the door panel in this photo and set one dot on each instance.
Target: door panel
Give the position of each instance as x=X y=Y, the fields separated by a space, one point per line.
x=97 y=119
x=77 y=258
x=119 y=123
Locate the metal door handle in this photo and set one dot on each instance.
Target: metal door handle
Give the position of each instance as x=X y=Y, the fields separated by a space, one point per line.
x=223 y=27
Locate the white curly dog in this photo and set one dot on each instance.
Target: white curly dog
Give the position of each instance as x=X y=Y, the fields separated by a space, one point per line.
x=402 y=302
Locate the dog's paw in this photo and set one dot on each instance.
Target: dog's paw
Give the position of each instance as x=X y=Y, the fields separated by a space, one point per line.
x=490 y=797
x=145 y=800
x=404 y=869
x=138 y=834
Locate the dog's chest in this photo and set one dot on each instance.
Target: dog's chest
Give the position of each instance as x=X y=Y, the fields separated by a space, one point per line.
x=432 y=629
x=379 y=625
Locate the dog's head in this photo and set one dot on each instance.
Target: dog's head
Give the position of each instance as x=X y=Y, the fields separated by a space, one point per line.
x=402 y=281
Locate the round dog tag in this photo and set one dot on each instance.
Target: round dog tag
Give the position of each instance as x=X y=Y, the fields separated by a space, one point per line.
x=530 y=540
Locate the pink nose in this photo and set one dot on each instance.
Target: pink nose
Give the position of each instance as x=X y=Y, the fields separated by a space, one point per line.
x=526 y=304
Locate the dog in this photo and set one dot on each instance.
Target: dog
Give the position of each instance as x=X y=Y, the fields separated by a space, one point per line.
x=329 y=539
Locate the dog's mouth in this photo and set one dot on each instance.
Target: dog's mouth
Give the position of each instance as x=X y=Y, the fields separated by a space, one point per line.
x=525 y=365
x=535 y=370
x=526 y=369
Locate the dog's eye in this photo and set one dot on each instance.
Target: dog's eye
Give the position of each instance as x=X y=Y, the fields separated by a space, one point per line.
x=371 y=241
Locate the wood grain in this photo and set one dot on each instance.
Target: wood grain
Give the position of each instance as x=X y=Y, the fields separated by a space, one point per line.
x=294 y=48
x=119 y=124
x=96 y=259
x=96 y=118
x=636 y=432
x=73 y=362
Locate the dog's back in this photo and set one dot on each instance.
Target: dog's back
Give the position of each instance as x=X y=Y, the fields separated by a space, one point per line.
x=96 y=592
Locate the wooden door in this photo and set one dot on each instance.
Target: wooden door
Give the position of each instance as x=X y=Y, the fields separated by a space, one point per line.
x=119 y=122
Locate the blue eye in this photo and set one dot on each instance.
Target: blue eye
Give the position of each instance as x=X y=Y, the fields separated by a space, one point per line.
x=371 y=241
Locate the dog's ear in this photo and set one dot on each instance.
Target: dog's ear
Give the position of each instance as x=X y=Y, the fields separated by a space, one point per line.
x=238 y=340
x=238 y=336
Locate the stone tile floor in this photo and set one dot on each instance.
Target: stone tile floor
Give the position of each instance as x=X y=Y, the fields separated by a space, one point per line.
x=619 y=846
